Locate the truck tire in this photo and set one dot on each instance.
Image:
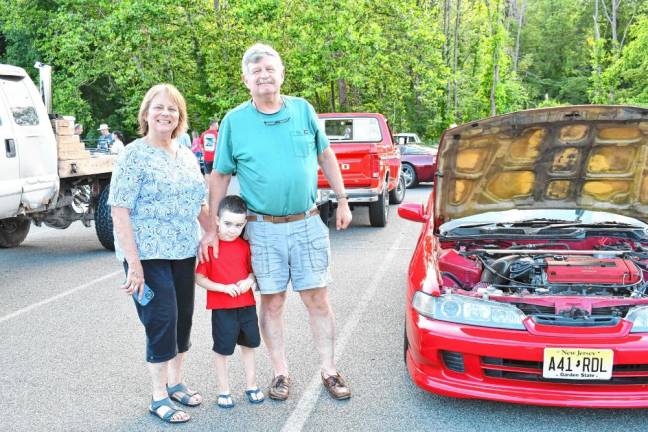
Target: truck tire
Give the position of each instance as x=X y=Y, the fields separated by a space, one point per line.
x=379 y=210
x=397 y=195
x=103 y=221
x=325 y=212
x=13 y=231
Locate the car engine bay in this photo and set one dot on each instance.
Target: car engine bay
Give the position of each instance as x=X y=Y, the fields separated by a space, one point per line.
x=580 y=280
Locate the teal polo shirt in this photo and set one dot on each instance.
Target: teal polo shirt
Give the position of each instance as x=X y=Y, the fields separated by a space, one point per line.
x=274 y=155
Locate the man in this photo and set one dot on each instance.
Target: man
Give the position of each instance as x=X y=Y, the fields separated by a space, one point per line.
x=184 y=140
x=208 y=145
x=274 y=144
x=105 y=139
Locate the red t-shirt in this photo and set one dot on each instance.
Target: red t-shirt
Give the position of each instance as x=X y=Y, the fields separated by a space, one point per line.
x=232 y=265
x=208 y=143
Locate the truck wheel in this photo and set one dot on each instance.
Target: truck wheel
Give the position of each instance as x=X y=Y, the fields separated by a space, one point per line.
x=397 y=195
x=13 y=231
x=103 y=221
x=379 y=210
x=325 y=212
x=410 y=175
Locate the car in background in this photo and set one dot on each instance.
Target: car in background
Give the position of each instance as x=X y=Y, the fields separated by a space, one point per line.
x=529 y=280
x=406 y=138
x=369 y=163
x=418 y=164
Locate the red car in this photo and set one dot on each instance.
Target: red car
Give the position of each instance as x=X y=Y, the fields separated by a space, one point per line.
x=418 y=164
x=529 y=280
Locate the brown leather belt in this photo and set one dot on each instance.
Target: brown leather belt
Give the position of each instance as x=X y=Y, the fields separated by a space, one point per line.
x=282 y=219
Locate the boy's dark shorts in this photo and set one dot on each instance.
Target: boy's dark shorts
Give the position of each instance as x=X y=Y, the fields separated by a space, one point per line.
x=235 y=326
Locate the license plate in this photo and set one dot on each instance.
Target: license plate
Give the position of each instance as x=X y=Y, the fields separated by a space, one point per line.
x=577 y=363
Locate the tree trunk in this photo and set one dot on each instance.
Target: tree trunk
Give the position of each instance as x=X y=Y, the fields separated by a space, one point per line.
x=494 y=19
x=455 y=60
x=198 y=56
x=520 y=20
x=493 y=104
x=333 y=96
x=447 y=6
x=446 y=30
x=597 y=52
x=342 y=94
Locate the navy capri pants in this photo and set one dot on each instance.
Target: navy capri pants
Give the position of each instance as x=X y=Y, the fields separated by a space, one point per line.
x=167 y=318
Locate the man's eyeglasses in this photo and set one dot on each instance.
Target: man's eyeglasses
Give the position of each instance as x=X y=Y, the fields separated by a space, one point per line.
x=277 y=122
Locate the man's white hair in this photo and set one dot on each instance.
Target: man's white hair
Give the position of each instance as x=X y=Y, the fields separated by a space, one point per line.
x=255 y=53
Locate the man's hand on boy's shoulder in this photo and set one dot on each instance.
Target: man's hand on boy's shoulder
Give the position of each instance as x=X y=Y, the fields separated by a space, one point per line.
x=208 y=241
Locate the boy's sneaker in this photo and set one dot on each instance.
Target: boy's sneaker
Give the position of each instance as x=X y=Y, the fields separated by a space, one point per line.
x=279 y=388
x=336 y=386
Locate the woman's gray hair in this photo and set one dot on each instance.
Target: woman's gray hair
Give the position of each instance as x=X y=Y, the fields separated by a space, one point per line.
x=255 y=53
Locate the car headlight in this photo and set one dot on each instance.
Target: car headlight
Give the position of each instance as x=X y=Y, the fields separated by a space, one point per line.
x=639 y=317
x=468 y=310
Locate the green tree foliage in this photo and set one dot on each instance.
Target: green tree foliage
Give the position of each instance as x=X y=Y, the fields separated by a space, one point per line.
x=423 y=63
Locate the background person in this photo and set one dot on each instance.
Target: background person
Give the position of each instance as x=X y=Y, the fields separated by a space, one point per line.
x=105 y=139
x=157 y=197
x=197 y=150
x=275 y=144
x=208 y=141
x=184 y=140
x=118 y=142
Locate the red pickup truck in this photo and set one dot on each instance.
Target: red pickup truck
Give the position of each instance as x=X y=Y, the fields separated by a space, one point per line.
x=369 y=162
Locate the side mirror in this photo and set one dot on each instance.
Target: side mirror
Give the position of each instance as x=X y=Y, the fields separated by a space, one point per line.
x=413 y=211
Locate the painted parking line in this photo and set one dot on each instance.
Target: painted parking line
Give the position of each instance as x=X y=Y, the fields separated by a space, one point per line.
x=59 y=296
x=307 y=402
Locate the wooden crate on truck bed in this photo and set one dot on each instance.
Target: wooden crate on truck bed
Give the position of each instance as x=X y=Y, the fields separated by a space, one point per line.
x=71 y=147
x=97 y=164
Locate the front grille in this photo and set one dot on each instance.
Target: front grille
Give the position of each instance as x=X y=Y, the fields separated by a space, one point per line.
x=453 y=360
x=618 y=311
x=523 y=370
x=532 y=309
x=566 y=321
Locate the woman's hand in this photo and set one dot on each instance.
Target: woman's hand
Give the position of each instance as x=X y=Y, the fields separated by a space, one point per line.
x=134 y=279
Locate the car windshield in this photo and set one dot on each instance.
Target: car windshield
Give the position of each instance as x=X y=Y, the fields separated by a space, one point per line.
x=362 y=129
x=553 y=217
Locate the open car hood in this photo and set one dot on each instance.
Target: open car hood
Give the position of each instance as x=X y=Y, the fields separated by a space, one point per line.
x=589 y=157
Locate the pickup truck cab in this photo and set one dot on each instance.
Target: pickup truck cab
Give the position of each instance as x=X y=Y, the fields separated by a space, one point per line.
x=369 y=162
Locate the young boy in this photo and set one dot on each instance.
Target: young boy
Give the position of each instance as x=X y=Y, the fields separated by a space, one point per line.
x=229 y=282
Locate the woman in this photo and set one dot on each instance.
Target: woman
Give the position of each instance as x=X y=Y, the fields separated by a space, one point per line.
x=118 y=143
x=157 y=196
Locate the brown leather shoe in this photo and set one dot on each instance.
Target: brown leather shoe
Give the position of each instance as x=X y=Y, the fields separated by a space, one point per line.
x=280 y=387
x=336 y=386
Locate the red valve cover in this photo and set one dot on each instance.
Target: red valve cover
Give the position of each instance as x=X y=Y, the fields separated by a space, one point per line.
x=588 y=270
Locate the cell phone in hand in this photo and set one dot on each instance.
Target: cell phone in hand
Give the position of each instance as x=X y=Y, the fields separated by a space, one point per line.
x=146 y=297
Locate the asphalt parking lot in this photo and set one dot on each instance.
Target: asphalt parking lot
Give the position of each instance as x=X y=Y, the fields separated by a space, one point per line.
x=73 y=357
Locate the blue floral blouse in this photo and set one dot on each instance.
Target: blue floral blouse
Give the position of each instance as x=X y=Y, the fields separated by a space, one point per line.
x=164 y=196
